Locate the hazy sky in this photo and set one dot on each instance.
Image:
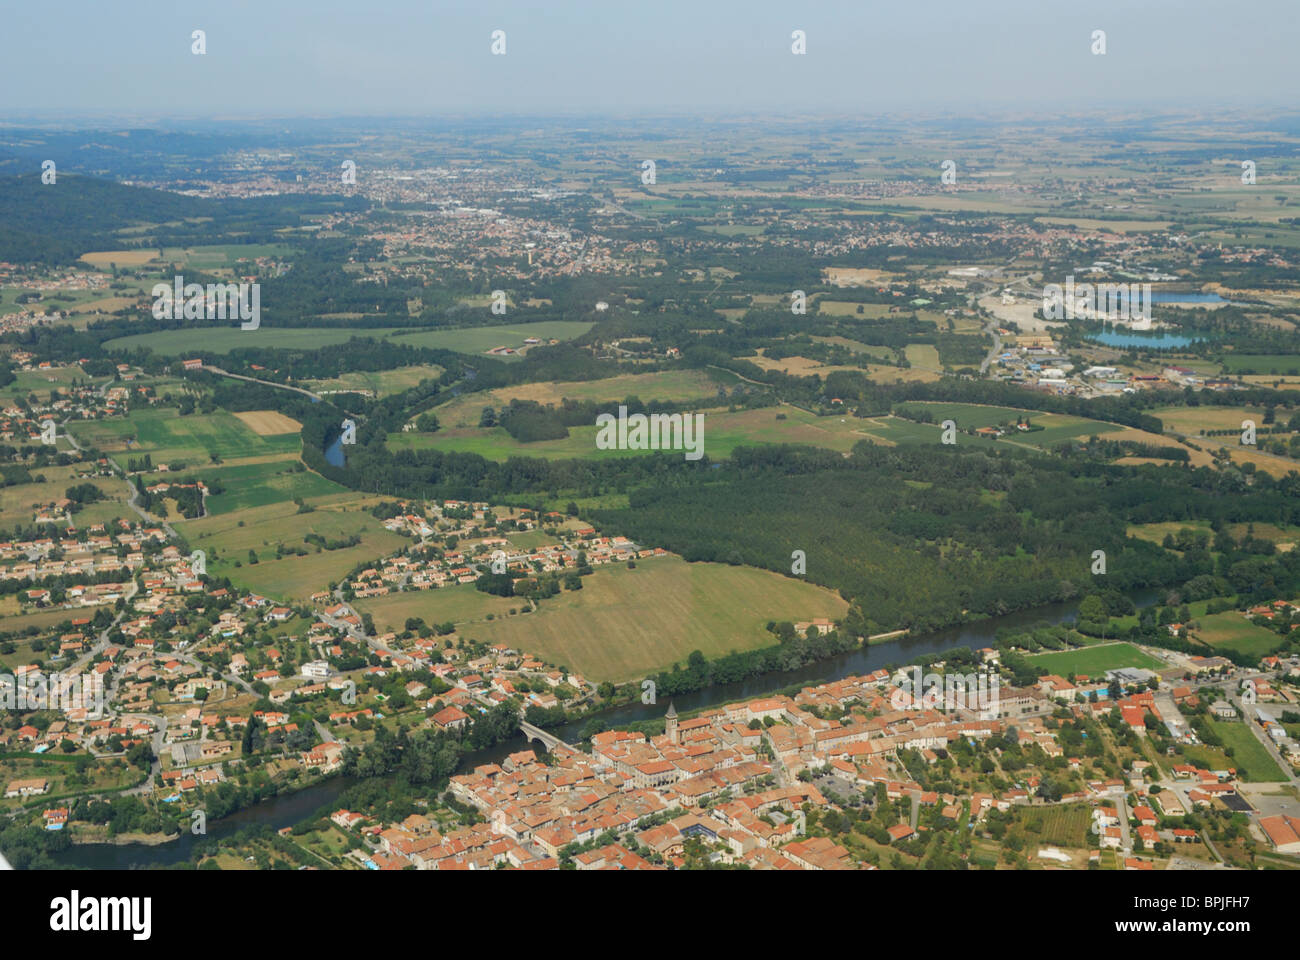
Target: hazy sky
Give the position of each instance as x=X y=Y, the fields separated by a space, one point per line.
x=330 y=57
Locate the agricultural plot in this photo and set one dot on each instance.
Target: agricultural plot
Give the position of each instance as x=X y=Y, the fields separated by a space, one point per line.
x=1195 y=420
x=260 y=483
x=381 y=383
x=626 y=624
x=723 y=432
x=228 y=540
x=1232 y=631
x=166 y=436
x=464 y=411
x=1252 y=761
x=1056 y=426
x=1263 y=363
x=223 y=339
x=475 y=340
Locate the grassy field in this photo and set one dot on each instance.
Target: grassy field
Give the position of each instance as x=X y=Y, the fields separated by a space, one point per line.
x=626 y=624
x=220 y=340
x=381 y=383
x=1231 y=631
x=259 y=482
x=1249 y=756
x=723 y=432
x=666 y=385
x=166 y=436
x=1262 y=363
x=481 y=339
x=1197 y=419
x=17 y=503
x=227 y=539
x=1095 y=660
x=1056 y=426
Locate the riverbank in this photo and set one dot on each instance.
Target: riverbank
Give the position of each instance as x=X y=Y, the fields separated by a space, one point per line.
x=286 y=809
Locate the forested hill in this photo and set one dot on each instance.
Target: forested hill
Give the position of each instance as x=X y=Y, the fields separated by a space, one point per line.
x=56 y=223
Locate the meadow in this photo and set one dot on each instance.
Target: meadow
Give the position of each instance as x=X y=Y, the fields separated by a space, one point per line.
x=166 y=436
x=724 y=431
x=1251 y=760
x=1231 y=631
x=626 y=624
x=223 y=339
x=464 y=411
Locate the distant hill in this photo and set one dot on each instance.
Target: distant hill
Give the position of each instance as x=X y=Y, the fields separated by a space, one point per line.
x=56 y=223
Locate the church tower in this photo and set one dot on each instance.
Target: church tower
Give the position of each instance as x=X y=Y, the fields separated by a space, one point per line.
x=670 y=723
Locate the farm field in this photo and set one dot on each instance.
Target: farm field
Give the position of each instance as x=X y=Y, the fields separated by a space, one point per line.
x=268 y=423
x=207 y=258
x=166 y=436
x=886 y=353
x=723 y=432
x=1262 y=363
x=291 y=577
x=1065 y=825
x=798 y=366
x=847 y=308
x=44 y=382
x=258 y=483
x=481 y=339
x=17 y=502
x=381 y=383
x=464 y=411
x=221 y=340
x=1195 y=420
x=923 y=356
x=1056 y=426
x=1231 y=631
x=472 y=340
x=461 y=604
x=1095 y=660
x=626 y=624
x=1251 y=760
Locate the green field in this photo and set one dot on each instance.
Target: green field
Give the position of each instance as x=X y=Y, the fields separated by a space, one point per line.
x=1262 y=363
x=258 y=484
x=482 y=339
x=220 y=340
x=1056 y=426
x=1231 y=631
x=1095 y=660
x=464 y=411
x=625 y=624
x=166 y=436
x=228 y=538
x=381 y=383
x=723 y=432
x=1249 y=756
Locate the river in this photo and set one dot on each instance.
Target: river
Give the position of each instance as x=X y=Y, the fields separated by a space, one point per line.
x=289 y=809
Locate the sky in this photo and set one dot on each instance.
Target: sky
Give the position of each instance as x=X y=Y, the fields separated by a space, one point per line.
x=276 y=58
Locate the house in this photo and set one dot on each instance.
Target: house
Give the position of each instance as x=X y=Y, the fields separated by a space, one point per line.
x=27 y=788
x=451 y=718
